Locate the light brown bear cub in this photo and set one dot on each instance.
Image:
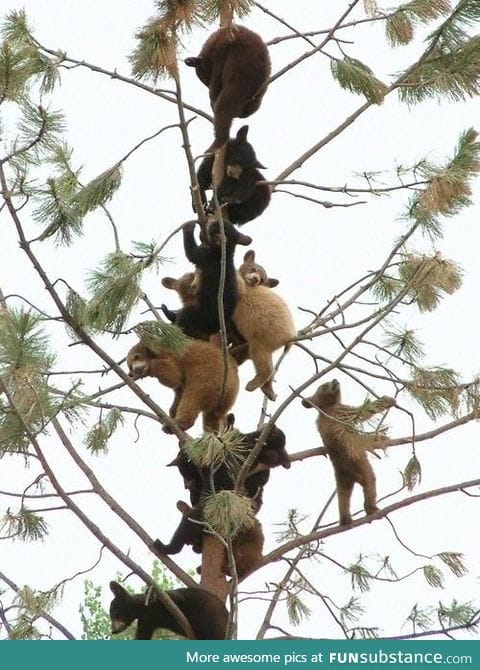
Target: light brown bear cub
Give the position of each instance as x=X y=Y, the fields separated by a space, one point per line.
x=196 y=375
x=263 y=319
x=347 y=446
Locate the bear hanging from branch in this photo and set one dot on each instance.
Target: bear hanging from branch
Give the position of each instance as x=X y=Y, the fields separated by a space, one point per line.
x=235 y=65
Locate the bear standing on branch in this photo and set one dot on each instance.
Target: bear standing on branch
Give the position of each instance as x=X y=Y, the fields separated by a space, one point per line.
x=347 y=446
x=235 y=65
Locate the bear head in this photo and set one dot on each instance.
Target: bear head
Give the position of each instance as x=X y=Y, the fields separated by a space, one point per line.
x=253 y=273
x=122 y=608
x=138 y=361
x=326 y=395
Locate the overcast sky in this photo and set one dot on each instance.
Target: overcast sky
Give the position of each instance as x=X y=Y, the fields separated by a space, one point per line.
x=314 y=251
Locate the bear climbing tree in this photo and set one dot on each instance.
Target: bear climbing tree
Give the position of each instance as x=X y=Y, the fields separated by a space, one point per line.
x=352 y=197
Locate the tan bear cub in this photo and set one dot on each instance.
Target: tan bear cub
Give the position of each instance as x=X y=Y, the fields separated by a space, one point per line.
x=263 y=319
x=346 y=446
x=196 y=375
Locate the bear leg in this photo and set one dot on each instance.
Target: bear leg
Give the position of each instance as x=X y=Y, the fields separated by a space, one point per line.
x=344 y=493
x=262 y=361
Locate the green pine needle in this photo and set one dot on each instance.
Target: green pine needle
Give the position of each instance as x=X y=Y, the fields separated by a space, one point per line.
x=214 y=450
x=429 y=278
x=454 y=562
x=99 y=435
x=212 y=10
x=296 y=609
x=360 y=576
x=228 y=512
x=421 y=619
x=456 y=614
x=179 y=15
x=436 y=389
x=433 y=576
x=356 y=77
x=404 y=343
x=400 y=26
x=155 y=56
x=98 y=191
x=25 y=525
x=351 y=611
x=115 y=290
x=158 y=335
x=56 y=210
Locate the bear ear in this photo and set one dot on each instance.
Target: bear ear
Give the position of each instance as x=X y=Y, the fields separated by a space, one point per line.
x=259 y=165
x=176 y=461
x=272 y=282
x=117 y=589
x=169 y=282
x=193 y=61
x=230 y=420
x=249 y=256
x=244 y=240
x=183 y=507
x=242 y=133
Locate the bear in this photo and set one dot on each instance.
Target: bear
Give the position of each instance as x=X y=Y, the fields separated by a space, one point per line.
x=347 y=447
x=263 y=319
x=196 y=374
x=202 y=316
x=247 y=543
x=272 y=454
x=239 y=196
x=204 y=611
x=253 y=273
x=235 y=65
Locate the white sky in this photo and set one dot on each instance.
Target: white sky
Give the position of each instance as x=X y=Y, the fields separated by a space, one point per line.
x=315 y=252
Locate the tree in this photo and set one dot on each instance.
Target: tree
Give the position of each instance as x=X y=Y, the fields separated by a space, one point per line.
x=63 y=428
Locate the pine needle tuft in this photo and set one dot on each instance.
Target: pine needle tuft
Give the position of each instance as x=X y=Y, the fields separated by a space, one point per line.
x=158 y=336
x=412 y=475
x=98 y=191
x=228 y=512
x=212 y=450
x=427 y=278
x=436 y=389
x=155 y=56
x=355 y=76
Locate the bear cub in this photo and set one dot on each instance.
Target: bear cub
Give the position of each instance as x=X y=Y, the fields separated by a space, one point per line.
x=235 y=65
x=346 y=446
x=201 y=314
x=241 y=197
x=204 y=611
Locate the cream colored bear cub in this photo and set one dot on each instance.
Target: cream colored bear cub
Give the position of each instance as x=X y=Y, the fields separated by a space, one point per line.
x=264 y=321
x=196 y=375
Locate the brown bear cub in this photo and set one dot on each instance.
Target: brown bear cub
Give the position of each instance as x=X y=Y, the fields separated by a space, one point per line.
x=239 y=195
x=346 y=446
x=235 y=65
x=204 y=611
x=247 y=544
x=196 y=374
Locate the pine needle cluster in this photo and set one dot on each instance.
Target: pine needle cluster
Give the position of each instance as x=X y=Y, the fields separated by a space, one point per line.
x=355 y=76
x=297 y=610
x=400 y=24
x=412 y=475
x=158 y=336
x=450 y=66
x=227 y=448
x=99 y=435
x=404 y=343
x=436 y=389
x=228 y=512
x=427 y=278
x=25 y=525
x=25 y=360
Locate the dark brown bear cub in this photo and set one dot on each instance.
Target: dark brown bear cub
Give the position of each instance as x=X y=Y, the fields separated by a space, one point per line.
x=205 y=613
x=241 y=195
x=235 y=65
x=346 y=446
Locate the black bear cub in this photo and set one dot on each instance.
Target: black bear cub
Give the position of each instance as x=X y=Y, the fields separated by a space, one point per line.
x=204 y=611
x=202 y=317
x=238 y=191
x=235 y=65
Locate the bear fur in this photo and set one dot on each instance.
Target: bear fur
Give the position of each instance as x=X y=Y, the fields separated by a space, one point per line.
x=204 y=611
x=272 y=454
x=235 y=65
x=238 y=194
x=247 y=544
x=346 y=446
x=196 y=374
x=263 y=319
x=202 y=316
